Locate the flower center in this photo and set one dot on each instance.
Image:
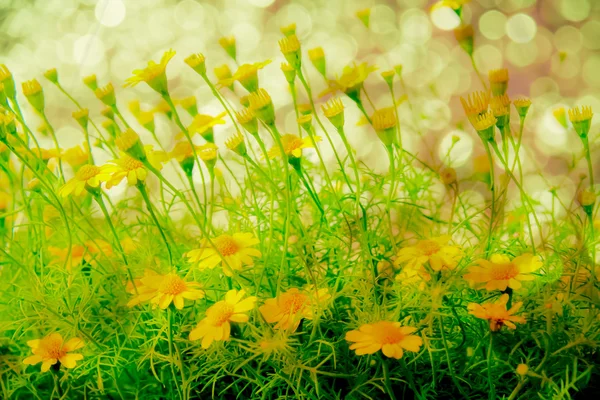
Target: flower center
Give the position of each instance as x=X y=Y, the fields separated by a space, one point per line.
x=52 y=348
x=87 y=172
x=429 y=247
x=131 y=164
x=226 y=245
x=172 y=284
x=223 y=312
x=292 y=145
x=294 y=303
x=77 y=251
x=502 y=272
x=387 y=334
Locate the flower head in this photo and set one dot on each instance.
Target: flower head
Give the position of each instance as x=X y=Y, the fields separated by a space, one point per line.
x=261 y=105
x=497 y=313
x=289 y=308
x=436 y=252
x=247 y=119
x=91 y=82
x=228 y=44
x=79 y=253
x=475 y=104
x=498 y=81
x=364 y=16
x=247 y=75
x=581 y=119
x=88 y=178
x=290 y=48
x=7 y=81
x=293 y=145
x=484 y=125
x=389 y=337
x=132 y=169
x=203 y=124
x=230 y=251
x=106 y=95
x=216 y=326
x=162 y=290
x=34 y=94
x=351 y=81
x=82 y=117
x=154 y=74
x=317 y=58
x=52 y=349
x=384 y=122
x=224 y=75
x=464 y=36
x=499 y=272
x=197 y=62
x=334 y=111
x=51 y=75
x=236 y=143
x=522 y=105
x=288 y=30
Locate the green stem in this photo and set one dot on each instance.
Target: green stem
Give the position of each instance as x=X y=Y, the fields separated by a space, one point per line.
x=142 y=188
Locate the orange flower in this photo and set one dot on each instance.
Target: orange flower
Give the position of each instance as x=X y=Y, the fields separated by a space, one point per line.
x=497 y=313
x=389 y=337
x=52 y=349
x=500 y=272
x=288 y=309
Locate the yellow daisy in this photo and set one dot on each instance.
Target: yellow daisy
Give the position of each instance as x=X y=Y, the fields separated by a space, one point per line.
x=203 y=124
x=434 y=251
x=216 y=326
x=289 y=308
x=52 y=349
x=389 y=337
x=88 y=177
x=247 y=75
x=154 y=74
x=293 y=145
x=351 y=81
x=500 y=272
x=128 y=167
x=162 y=290
x=233 y=251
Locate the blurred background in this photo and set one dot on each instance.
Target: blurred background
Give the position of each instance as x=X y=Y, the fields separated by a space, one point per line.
x=551 y=48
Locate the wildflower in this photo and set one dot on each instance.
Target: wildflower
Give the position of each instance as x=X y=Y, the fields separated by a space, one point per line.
x=448 y=176
x=334 y=111
x=111 y=127
x=91 y=82
x=183 y=152
x=82 y=117
x=106 y=95
x=499 y=272
x=190 y=105
x=261 y=105
x=384 y=122
x=87 y=178
x=8 y=82
x=435 y=251
x=560 y=114
x=500 y=106
x=216 y=326
x=34 y=94
x=522 y=105
x=289 y=72
x=52 y=75
x=208 y=153
x=587 y=198
x=197 y=62
x=290 y=48
x=154 y=74
x=223 y=74
x=110 y=113
x=581 y=120
x=522 y=369
x=247 y=119
x=230 y=251
x=498 y=81
x=78 y=253
x=288 y=30
x=317 y=58
x=7 y=125
x=364 y=16
x=76 y=156
x=52 y=349
x=228 y=44
x=146 y=119
x=293 y=145
x=162 y=290
x=128 y=167
x=497 y=313
x=289 y=308
x=351 y=81
x=389 y=337
x=236 y=143
x=388 y=77
x=475 y=104
x=247 y=75
x=484 y=125
x=464 y=36
x=129 y=142
x=203 y=124
x=305 y=121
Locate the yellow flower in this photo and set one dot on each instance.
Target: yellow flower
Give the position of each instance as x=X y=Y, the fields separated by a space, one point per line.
x=236 y=143
x=334 y=111
x=197 y=62
x=475 y=104
x=232 y=251
x=247 y=75
x=88 y=251
x=293 y=145
x=498 y=81
x=154 y=74
x=261 y=105
x=522 y=369
x=162 y=290
x=288 y=30
x=289 y=308
x=76 y=156
x=290 y=48
x=132 y=169
x=522 y=105
x=389 y=337
x=52 y=349
x=497 y=313
x=500 y=272
x=216 y=326
x=88 y=177
x=228 y=44
x=106 y=95
x=203 y=124
x=581 y=119
x=464 y=36
x=223 y=74
x=434 y=251
x=364 y=16
x=351 y=81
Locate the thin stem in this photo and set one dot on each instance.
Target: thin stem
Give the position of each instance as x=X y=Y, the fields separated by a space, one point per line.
x=142 y=188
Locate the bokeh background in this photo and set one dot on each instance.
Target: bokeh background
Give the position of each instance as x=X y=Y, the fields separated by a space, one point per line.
x=551 y=48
